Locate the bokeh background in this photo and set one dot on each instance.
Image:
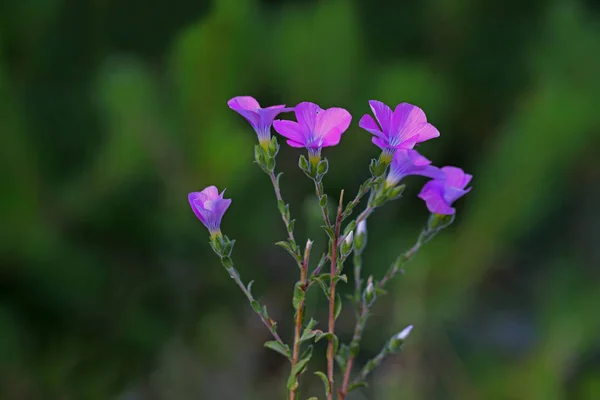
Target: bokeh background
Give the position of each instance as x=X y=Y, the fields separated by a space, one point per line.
x=112 y=111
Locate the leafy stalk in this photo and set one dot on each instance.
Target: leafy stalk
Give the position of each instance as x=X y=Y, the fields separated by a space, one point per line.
x=262 y=312
x=332 y=298
x=299 y=303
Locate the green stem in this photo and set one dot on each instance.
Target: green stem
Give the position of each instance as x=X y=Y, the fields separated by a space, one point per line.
x=268 y=322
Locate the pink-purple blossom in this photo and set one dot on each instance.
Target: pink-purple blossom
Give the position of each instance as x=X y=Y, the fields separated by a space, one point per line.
x=316 y=128
x=409 y=162
x=402 y=128
x=261 y=119
x=209 y=206
x=439 y=194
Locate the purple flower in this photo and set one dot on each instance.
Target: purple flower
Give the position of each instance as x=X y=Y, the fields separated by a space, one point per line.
x=209 y=206
x=409 y=162
x=261 y=119
x=316 y=128
x=439 y=194
x=401 y=129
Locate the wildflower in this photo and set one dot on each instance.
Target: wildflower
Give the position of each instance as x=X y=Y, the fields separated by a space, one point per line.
x=439 y=194
x=209 y=206
x=401 y=129
x=409 y=162
x=316 y=128
x=261 y=119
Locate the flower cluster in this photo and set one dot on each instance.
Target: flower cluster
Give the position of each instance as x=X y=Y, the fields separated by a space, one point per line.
x=396 y=132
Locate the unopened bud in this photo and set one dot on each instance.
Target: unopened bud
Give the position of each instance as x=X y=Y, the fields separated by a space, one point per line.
x=398 y=340
x=361 y=236
x=347 y=244
x=369 y=293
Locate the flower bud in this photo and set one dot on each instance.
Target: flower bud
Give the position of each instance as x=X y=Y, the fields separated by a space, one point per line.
x=369 y=293
x=360 y=241
x=398 y=340
x=347 y=244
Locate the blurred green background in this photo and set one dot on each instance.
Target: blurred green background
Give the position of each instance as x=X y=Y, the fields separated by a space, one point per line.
x=112 y=111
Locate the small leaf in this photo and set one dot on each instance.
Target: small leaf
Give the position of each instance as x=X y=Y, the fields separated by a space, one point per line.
x=325 y=380
x=322 y=284
x=255 y=306
x=323 y=201
x=342 y=356
x=264 y=312
x=249 y=287
x=301 y=365
x=313 y=398
x=338 y=306
x=356 y=386
x=291 y=226
x=343 y=278
x=288 y=247
x=309 y=334
x=278 y=177
x=329 y=232
x=281 y=206
x=276 y=346
x=299 y=295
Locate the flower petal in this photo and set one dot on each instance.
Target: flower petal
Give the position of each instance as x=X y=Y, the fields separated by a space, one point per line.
x=368 y=124
x=243 y=103
x=330 y=125
x=306 y=114
x=293 y=143
x=432 y=193
x=407 y=118
x=452 y=194
x=379 y=142
x=426 y=132
x=209 y=193
x=383 y=114
x=416 y=158
x=290 y=130
x=267 y=115
x=456 y=177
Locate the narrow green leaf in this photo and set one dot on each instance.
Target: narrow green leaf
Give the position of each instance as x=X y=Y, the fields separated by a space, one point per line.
x=338 y=306
x=324 y=379
x=329 y=232
x=276 y=346
x=281 y=206
x=305 y=358
x=322 y=284
x=313 y=398
x=255 y=306
x=291 y=225
x=323 y=201
x=357 y=385
x=264 y=312
x=299 y=295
